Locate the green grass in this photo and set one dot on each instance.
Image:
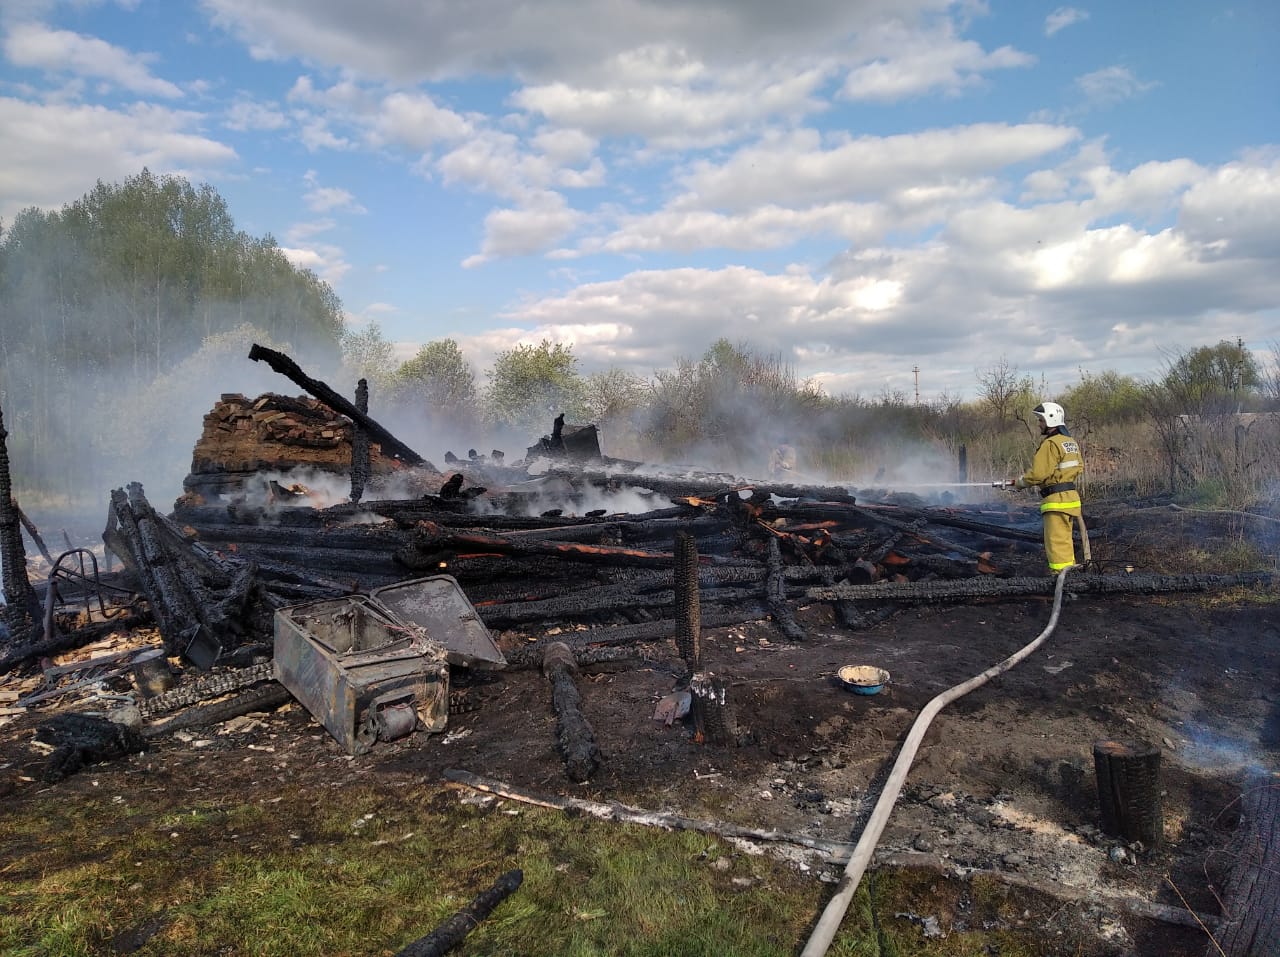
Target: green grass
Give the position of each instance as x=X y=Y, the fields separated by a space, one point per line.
x=366 y=871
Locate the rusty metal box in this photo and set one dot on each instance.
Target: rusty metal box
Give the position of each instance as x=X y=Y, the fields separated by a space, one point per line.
x=363 y=676
x=370 y=671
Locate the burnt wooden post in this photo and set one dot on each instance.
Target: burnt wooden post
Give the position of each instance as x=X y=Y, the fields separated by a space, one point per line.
x=713 y=719
x=687 y=602
x=451 y=933
x=21 y=609
x=360 y=444
x=775 y=593
x=962 y=464
x=1128 y=774
x=1251 y=922
x=574 y=735
x=282 y=364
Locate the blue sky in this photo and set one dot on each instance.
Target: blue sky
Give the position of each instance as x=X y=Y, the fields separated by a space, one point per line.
x=861 y=187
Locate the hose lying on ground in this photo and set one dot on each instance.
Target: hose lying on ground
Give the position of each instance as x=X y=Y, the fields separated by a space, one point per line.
x=829 y=922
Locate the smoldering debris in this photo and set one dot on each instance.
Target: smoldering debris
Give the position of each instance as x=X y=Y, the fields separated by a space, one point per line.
x=566 y=548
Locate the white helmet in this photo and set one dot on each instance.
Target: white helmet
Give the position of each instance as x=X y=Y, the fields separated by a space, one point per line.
x=1050 y=414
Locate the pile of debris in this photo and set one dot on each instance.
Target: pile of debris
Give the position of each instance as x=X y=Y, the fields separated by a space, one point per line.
x=243 y=438
x=590 y=556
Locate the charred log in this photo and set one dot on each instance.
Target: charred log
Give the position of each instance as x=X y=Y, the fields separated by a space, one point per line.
x=1019 y=587
x=80 y=740
x=360 y=444
x=268 y=697
x=687 y=607
x=574 y=735
x=659 y=630
x=776 y=595
x=713 y=717
x=1251 y=919
x=282 y=364
x=451 y=933
x=21 y=609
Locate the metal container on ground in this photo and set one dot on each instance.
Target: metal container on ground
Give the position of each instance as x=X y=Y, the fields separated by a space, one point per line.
x=376 y=668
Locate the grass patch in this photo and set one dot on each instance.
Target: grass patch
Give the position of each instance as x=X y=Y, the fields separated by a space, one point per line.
x=367 y=870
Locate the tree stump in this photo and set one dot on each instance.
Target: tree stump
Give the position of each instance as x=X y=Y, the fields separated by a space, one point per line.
x=713 y=718
x=1128 y=774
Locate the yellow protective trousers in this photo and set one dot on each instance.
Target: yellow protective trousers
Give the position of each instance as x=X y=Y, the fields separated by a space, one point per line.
x=1058 y=546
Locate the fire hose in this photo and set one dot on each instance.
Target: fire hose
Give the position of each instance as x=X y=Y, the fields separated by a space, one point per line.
x=829 y=922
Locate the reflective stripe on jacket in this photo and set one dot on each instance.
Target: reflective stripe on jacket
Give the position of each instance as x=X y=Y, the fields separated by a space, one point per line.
x=1057 y=460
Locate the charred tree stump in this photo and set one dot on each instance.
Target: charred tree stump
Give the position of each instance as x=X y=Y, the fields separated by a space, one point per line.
x=713 y=719
x=1128 y=774
x=281 y=363
x=451 y=933
x=21 y=609
x=1251 y=923
x=360 y=444
x=574 y=735
x=775 y=591
x=688 y=609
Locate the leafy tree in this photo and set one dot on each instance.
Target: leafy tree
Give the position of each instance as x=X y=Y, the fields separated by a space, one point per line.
x=1100 y=399
x=438 y=377
x=737 y=400
x=103 y=296
x=1212 y=378
x=366 y=354
x=530 y=385
x=613 y=394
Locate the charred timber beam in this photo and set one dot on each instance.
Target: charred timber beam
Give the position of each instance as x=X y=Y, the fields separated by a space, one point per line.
x=596 y=601
x=431 y=537
x=1251 y=922
x=125 y=539
x=360 y=445
x=530 y=656
x=282 y=364
x=574 y=735
x=937 y=517
x=452 y=932
x=1017 y=587
x=21 y=609
x=687 y=600
x=372 y=538
x=680 y=487
x=776 y=595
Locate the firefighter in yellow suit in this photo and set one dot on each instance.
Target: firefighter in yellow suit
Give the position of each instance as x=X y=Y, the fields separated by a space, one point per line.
x=1057 y=467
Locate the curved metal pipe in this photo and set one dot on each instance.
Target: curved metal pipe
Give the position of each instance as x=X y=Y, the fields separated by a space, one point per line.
x=825 y=930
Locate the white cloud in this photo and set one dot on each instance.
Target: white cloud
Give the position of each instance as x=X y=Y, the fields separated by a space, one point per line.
x=1062 y=18
x=917 y=62
x=1110 y=85
x=323 y=199
x=682 y=108
x=413 y=42
x=534 y=228
x=417 y=121
x=326 y=261
x=797 y=169
x=247 y=116
x=35 y=46
x=55 y=153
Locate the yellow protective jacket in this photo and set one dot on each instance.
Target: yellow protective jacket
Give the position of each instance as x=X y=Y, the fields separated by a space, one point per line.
x=1058 y=462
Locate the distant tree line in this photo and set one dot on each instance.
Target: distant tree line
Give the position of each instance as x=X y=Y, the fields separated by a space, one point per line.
x=111 y=307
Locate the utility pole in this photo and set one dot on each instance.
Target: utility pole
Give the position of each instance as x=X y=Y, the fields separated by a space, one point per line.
x=916 y=370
